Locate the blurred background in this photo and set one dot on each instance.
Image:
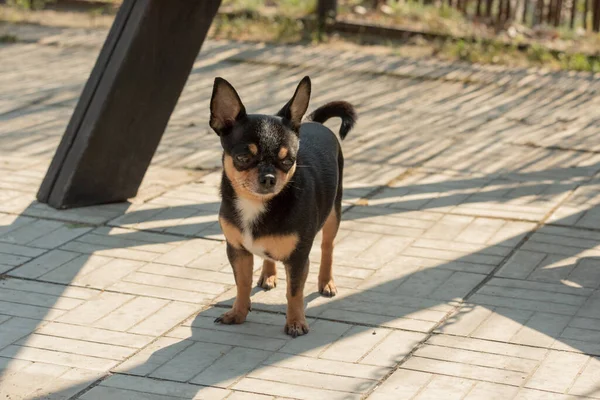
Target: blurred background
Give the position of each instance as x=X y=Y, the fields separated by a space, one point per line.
x=553 y=34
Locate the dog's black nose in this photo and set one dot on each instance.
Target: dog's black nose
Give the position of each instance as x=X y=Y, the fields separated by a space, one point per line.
x=267 y=181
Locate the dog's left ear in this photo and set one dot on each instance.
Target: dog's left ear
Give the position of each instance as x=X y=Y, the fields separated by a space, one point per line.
x=295 y=108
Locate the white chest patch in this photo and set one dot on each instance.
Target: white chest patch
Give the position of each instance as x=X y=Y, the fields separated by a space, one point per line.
x=249 y=211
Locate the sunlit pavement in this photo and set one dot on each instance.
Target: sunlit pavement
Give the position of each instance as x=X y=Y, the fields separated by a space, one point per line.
x=468 y=261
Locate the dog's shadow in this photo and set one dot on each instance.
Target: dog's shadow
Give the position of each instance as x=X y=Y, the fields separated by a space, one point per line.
x=258 y=357
x=245 y=357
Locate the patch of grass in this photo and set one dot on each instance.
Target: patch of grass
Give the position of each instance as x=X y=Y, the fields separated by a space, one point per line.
x=98 y=11
x=291 y=30
x=579 y=62
x=244 y=4
x=539 y=54
x=283 y=7
x=535 y=55
x=29 y=4
x=281 y=29
x=279 y=21
x=480 y=52
x=8 y=38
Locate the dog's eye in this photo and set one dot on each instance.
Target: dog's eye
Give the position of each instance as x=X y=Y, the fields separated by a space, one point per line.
x=287 y=162
x=242 y=158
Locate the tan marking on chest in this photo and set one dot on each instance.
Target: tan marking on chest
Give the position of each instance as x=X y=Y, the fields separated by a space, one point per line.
x=233 y=235
x=253 y=149
x=279 y=247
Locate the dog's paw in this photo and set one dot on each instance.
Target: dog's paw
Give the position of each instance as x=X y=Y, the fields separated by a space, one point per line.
x=296 y=328
x=232 y=317
x=267 y=282
x=328 y=289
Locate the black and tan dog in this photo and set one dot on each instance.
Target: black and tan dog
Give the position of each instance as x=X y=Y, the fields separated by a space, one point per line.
x=281 y=184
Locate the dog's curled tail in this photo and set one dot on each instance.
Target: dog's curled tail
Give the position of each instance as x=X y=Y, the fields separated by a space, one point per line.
x=341 y=109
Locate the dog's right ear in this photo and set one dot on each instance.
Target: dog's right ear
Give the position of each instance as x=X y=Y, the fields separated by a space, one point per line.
x=225 y=107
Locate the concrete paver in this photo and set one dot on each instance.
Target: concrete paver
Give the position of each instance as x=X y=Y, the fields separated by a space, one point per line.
x=466 y=262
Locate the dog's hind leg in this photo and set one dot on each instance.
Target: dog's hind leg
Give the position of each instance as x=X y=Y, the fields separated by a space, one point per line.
x=326 y=285
x=268 y=276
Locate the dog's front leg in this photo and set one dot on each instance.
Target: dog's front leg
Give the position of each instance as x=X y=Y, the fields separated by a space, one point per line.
x=242 y=263
x=297 y=271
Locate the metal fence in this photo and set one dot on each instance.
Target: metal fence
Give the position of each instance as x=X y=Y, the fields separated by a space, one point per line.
x=564 y=13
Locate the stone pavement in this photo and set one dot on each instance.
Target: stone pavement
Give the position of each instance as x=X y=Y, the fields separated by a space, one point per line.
x=468 y=262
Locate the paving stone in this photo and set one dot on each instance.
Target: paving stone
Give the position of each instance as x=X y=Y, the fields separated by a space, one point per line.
x=434 y=203
x=491 y=391
x=7 y=250
x=260 y=324
x=131 y=387
x=96 y=308
x=587 y=383
x=228 y=369
x=191 y=362
x=52 y=381
x=63 y=345
x=476 y=358
x=57 y=358
x=324 y=366
x=94 y=215
x=514 y=195
x=555 y=255
x=581 y=208
x=102 y=392
x=123 y=243
x=13 y=329
x=465 y=371
x=227 y=338
x=30 y=286
x=287 y=390
x=248 y=396
x=446 y=387
x=67 y=385
x=92 y=271
x=557 y=372
x=42 y=301
x=541 y=330
x=39 y=299
x=322 y=334
x=393 y=348
x=491 y=347
x=315 y=380
x=153 y=356
x=396 y=311
x=95 y=335
x=510 y=368
x=45 y=263
x=130 y=314
x=186 y=253
x=355 y=344
x=404 y=384
x=164 y=319
x=44 y=234
x=539 y=395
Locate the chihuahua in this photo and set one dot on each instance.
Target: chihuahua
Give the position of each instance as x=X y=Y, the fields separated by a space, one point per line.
x=281 y=185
